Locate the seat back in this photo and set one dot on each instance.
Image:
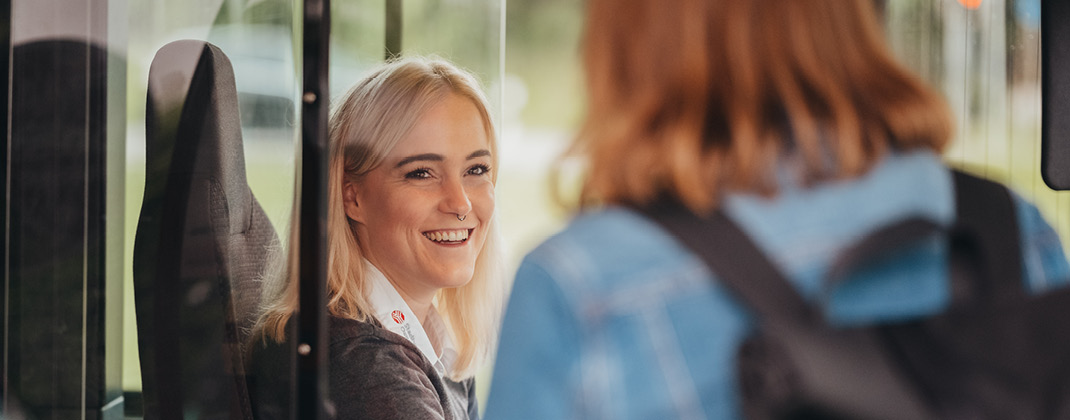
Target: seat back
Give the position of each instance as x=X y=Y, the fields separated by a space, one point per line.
x=202 y=240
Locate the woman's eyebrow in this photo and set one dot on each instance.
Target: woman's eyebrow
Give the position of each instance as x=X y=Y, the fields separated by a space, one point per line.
x=437 y=157
x=420 y=157
x=478 y=153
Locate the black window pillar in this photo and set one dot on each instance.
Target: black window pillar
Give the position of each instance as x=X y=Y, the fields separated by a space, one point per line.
x=311 y=366
x=1055 y=96
x=62 y=218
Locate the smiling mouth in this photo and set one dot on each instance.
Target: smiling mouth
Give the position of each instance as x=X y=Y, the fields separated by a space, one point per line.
x=449 y=237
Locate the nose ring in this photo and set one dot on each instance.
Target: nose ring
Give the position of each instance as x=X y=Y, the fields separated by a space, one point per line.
x=461 y=218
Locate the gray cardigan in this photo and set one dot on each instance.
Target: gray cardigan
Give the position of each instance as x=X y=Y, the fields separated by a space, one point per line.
x=373 y=374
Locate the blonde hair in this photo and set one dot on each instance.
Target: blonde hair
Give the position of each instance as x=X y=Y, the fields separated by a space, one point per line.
x=365 y=125
x=703 y=96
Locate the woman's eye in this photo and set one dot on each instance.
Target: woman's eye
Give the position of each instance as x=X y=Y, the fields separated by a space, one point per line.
x=418 y=174
x=479 y=170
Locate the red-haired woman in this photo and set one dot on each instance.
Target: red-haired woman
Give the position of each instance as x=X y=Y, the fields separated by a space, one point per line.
x=791 y=118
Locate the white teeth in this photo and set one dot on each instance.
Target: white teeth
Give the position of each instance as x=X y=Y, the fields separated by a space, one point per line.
x=448 y=236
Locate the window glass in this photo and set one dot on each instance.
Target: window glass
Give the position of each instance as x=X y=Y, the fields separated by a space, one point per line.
x=62 y=246
x=466 y=32
x=259 y=40
x=985 y=57
x=358 y=39
x=543 y=104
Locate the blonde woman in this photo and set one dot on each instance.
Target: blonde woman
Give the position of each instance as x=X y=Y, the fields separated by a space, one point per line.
x=791 y=118
x=413 y=283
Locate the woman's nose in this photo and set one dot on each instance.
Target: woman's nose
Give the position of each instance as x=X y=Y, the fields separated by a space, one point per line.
x=455 y=199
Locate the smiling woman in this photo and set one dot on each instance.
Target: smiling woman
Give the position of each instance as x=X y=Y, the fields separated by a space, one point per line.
x=414 y=278
x=426 y=208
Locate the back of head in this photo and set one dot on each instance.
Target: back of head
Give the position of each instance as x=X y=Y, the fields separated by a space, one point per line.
x=701 y=96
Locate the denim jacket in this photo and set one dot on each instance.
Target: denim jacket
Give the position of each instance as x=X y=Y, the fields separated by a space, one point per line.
x=612 y=318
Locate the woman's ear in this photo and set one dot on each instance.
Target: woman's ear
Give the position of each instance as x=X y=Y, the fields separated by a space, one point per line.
x=349 y=199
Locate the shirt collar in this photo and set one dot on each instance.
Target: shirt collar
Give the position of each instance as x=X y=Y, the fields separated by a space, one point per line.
x=394 y=313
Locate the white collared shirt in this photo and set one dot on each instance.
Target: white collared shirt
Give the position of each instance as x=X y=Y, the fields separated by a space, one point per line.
x=394 y=313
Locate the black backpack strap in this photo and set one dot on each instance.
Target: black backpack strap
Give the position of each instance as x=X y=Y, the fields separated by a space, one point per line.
x=986 y=229
x=796 y=366
x=879 y=243
x=986 y=254
x=985 y=251
x=736 y=260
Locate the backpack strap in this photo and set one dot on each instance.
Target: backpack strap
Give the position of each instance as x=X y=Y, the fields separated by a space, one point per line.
x=986 y=230
x=985 y=250
x=879 y=243
x=795 y=367
x=985 y=254
x=736 y=260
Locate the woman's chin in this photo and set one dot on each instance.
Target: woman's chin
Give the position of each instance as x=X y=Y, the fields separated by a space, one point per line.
x=455 y=278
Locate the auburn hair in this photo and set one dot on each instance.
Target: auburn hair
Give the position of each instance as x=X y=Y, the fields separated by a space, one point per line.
x=695 y=97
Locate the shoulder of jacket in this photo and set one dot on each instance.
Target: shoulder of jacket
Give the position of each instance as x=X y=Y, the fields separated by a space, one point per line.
x=369 y=341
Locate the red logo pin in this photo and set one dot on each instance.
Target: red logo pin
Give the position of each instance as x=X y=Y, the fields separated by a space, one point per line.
x=398 y=316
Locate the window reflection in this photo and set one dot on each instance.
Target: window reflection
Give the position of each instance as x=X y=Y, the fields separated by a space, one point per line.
x=60 y=323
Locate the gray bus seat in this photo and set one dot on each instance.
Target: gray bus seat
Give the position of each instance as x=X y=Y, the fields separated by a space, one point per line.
x=202 y=240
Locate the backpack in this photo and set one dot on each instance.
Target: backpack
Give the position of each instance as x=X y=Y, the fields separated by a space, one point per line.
x=996 y=352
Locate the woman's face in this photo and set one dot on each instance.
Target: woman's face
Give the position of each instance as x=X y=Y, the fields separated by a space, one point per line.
x=409 y=209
